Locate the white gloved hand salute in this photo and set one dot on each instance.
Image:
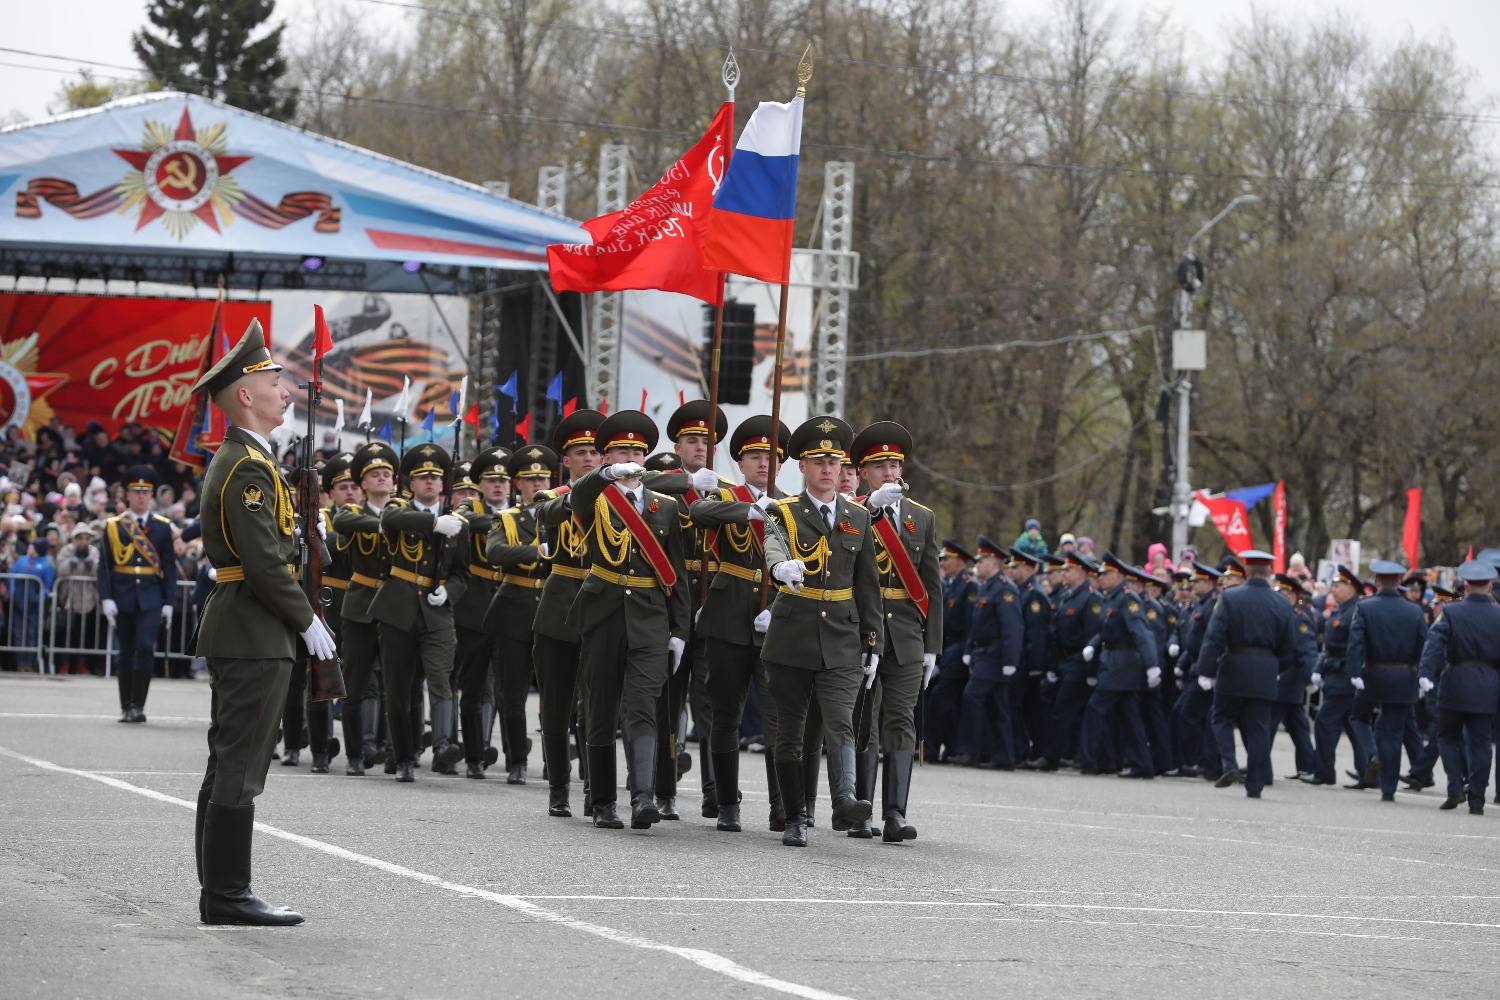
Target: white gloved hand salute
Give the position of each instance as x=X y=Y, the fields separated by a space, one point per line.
x=884 y=496
x=624 y=470
x=448 y=525
x=319 y=640
x=705 y=479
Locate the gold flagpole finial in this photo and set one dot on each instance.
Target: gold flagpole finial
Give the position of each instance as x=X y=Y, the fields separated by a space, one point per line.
x=804 y=71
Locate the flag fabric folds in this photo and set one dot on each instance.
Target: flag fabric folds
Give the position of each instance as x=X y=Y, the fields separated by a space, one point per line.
x=1411 y=531
x=508 y=389
x=750 y=228
x=523 y=429
x=657 y=241
x=365 y=419
x=555 y=390
x=322 y=338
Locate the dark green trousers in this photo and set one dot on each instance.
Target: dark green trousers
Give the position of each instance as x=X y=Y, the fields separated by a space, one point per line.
x=796 y=689
x=244 y=713
x=620 y=681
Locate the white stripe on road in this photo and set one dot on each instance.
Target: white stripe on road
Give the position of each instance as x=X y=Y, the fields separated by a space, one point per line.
x=1253 y=913
x=105 y=717
x=706 y=959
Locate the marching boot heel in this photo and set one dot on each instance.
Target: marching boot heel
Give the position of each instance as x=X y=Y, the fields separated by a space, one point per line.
x=602 y=784
x=789 y=773
x=848 y=808
x=894 y=791
x=726 y=789
x=555 y=757
x=642 y=773
x=865 y=766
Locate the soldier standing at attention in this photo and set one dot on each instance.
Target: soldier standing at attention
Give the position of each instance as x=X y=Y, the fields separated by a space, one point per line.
x=1332 y=676
x=827 y=624
x=945 y=696
x=137 y=585
x=249 y=627
x=1384 y=647
x=1462 y=660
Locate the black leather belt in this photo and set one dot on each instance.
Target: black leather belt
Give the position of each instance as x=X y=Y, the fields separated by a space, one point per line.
x=1250 y=651
x=1117 y=646
x=1389 y=666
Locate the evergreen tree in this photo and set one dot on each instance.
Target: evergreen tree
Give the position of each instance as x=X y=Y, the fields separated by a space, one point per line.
x=206 y=47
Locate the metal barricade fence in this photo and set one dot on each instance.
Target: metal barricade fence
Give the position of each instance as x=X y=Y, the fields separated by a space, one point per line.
x=25 y=611
x=73 y=635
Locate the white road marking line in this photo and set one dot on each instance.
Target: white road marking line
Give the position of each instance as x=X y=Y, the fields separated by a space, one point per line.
x=1254 y=913
x=1202 y=927
x=711 y=961
x=106 y=717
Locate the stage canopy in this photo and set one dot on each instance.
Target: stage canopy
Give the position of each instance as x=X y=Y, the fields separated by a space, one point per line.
x=171 y=187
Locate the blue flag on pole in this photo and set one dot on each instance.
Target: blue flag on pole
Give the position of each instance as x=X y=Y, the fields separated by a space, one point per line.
x=495 y=417
x=385 y=431
x=509 y=389
x=430 y=421
x=554 y=390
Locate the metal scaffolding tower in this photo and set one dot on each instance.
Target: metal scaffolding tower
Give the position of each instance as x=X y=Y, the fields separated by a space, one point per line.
x=608 y=314
x=552 y=190
x=836 y=272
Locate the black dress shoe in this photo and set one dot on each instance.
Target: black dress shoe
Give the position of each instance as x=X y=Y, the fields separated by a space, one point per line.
x=354 y=766
x=606 y=818
x=1476 y=810
x=1228 y=778
x=961 y=760
x=667 y=806
x=991 y=765
x=1388 y=796
x=474 y=769
x=1136 y=772
x=291 y=758
x=1039 y=764
x=403 y=771
x=1171 y=772
x=320 y=764
x=1315 y=780
x=729 y=819
x=1251 y=795
x=1452 y=802
x=1360 y=786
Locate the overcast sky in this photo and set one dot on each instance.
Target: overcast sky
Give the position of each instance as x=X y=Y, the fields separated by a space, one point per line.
x=100 y=30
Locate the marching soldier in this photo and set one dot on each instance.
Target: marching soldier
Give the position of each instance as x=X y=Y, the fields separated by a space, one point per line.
x=414 y=608
x=827 y=625
x=1128 y=665
x=945 y=696
x=1079 y=612
x=476 y=641
x=360 y=541
x=993 y=656
x=1251 y=638
x=734 y=618
x=137 y=586
x=1332 y=676
x=1157 y=700
x=631 y=613
x=555 y=645
x=523 y=572
x=1200 y=755
x=1385 y=644
x=249 y=627
x=1461 y=659
x=1292 y=685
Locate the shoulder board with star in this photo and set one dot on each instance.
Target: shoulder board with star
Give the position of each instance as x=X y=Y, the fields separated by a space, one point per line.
x=163 y=520
x=397 y=502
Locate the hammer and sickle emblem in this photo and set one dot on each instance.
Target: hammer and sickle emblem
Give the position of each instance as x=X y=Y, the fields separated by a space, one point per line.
x=183 y=172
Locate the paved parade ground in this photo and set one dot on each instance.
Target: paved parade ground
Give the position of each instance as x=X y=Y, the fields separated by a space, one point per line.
x=1030 y=885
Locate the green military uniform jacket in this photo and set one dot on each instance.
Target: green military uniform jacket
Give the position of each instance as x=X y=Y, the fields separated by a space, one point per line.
x=817 y=634
x=471 y=611
x=650 y=614
x=734 y=596
x=907 y=633
x=248 y=520
x=335 y=573
x=513 y=549
x=569 y=561
x=413 y=547
x=360 y=539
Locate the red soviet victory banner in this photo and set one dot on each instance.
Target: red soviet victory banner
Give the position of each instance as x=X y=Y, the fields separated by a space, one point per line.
x=657 y=241
x=114 y=360
x=1230 y=517
x=1411 y=531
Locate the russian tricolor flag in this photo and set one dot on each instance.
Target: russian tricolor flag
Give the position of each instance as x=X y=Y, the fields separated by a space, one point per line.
x=750 y=230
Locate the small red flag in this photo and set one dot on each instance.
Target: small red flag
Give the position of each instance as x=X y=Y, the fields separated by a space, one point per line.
x=643 y=400
x=1470 y=556
x=604 y=405
x=1411 y=532
x=523 y=429
x=322 y=338
x=472 y=417
x=570 y=406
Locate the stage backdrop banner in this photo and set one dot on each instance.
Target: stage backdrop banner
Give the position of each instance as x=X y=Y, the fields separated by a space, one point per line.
x=114 y=360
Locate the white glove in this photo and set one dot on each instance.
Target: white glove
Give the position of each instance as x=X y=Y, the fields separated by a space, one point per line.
x=110 y=609
x=1007 y=671
x=885 y=495
x=705 y=479
x=544 y=550
x=448 y=525
x=765 y=501
x=1093 y=681
x=967 y=659
x=754 y=514
x=929 y=668
x=1311 y=688
x=763 y=621
x=1317 y=679
x=319 y=640
x=872 y=663
x=625 y=470
x=675 y=646
x=438 y=597
x=1358 y=682
x=1425 y=685
x=322 y=529
x=1173 y=649
x=1179 y=685
x=213 y=574
x=789 y=572
x=1153 y=678
x=166 y=614
x=1051 y=677
x=1088 y=654
x=1206 y=683
x=1176 y=671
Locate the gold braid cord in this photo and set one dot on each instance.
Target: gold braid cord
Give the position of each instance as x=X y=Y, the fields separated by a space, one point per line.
x=812 y=558
x=513 y=534
x=611 y=543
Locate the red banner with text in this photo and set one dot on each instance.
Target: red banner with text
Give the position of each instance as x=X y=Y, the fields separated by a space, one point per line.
x=114 y=360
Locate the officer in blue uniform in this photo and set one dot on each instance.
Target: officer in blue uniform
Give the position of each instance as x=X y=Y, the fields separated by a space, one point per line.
x=1292 y=685
x=1156 y=703
x=1026 y=720
x=1195 y=747
x=1251 y=639
x=1462 y=660
x=945 y=700
x=137 y=586
x=1076 y=617
x=993 y=656
x=1126 y=651
x=1333 y=678
x=1385 y=645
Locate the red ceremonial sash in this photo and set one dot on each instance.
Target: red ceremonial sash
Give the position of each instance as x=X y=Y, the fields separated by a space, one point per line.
x=743 y=494
x=885 y=530
x=644 y=537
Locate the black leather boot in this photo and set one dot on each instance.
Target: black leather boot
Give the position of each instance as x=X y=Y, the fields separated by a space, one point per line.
x=516 y=739
x=319 y=730
x=559 y=774
x=198 y=820
x=122 y=681
x=140 y=683
x=352 y=720
x=893 y=792
x=848 y=807
x=789 y=773
x=810 y=764
x=445 y=752
x=487 y=716
x=226 y=896
x=293 y=718
x=773 y=785
x=708 y=772
x=370 y=718
x=726 y=788
x=603 y=787
x=665 y=780
x=865 y=766
x=473 y=733
x=641 y=772
x=403 y=745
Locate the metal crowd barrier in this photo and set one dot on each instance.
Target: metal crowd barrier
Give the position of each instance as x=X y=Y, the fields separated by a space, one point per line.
x=25 y=613
x=62 y=634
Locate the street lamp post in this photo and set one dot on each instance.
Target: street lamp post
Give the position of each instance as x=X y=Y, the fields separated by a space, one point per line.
x=1190 y=276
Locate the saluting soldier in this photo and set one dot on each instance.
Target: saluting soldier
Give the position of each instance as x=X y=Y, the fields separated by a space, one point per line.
x=555 y=642
x=1385 y=645
x=249 y=628
x=1461 y=659
x=945 y=695
x=476 y=641
x=734 y=617
x=362 y=544
x=992 y=654
x=429 y=572
x=631 y=612
x=137 y=586
x=523 y=572
x=827 y=624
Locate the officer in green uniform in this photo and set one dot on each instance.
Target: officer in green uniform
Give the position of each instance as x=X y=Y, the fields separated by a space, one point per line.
x=522 y=574
x=554 y=641
x=912 y=642
x=249 y=628
x=631 y=612
x=827 y=625
x=476 y=642
x=429 y=572
x=359 y=541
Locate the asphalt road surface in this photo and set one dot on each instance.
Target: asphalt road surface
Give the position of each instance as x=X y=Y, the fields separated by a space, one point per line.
x=1030 y=885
